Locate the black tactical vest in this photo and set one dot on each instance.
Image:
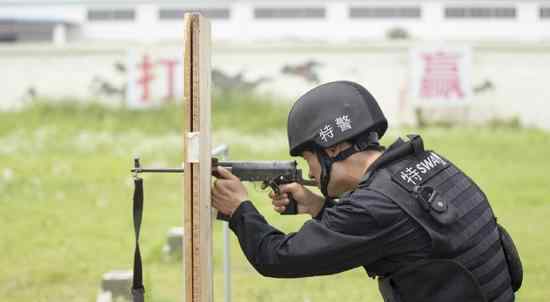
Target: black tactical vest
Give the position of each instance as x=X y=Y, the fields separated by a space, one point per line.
x=468 y=262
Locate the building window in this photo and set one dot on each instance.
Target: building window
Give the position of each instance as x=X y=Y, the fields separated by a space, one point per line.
x=480 y=12
x=210 y=13
x=544 y=12
x=290 y=13
x=111 y=14
x=360 y=12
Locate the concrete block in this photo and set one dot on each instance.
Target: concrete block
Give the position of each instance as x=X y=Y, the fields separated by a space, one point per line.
x=174 y=241
x=116 y=286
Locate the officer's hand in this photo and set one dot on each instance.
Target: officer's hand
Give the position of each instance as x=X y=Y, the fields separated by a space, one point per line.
x=308 y=202
x=227 y=192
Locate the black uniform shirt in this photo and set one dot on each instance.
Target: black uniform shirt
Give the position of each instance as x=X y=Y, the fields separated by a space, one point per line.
x=364 y=228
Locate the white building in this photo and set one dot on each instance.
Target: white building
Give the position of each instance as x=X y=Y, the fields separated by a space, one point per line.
x=137 y=43
x=262 y=20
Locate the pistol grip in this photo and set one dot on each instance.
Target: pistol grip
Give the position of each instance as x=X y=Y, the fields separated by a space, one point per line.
x=292 y=207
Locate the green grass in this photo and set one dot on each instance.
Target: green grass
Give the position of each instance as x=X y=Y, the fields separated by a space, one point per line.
x=65 y=198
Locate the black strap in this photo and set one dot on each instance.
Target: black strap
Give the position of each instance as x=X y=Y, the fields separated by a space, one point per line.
x=326 y=166
x=361 y=144
x=416 y=142
x=346 y=153
x=137 y=283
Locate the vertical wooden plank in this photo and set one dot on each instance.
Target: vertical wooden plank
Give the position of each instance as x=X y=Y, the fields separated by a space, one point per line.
x=195 y=115
x=187 y=182
x=195 y=200
x=205 y=166
x=197 y=208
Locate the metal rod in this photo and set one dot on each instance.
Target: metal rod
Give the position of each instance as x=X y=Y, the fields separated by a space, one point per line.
x=158 y=170
x=226 y=263
x=224 y=152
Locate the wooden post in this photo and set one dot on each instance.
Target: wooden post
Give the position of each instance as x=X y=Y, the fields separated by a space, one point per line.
x=197 y=154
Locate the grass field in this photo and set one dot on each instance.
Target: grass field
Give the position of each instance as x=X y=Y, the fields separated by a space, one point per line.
x=65 y=199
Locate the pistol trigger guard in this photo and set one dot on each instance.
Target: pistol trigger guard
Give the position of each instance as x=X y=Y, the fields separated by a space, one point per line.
x=274 y=186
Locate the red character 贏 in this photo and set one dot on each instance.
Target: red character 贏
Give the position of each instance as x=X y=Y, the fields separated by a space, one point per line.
x=441 y=78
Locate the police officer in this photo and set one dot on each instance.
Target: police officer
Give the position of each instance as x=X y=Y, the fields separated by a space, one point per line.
x=409 y=216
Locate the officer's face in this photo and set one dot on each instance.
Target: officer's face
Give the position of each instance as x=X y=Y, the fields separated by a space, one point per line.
x=335 y=186
x=340 y=180
x=314 y=166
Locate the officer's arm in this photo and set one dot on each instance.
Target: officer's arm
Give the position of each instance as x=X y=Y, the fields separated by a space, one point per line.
x=329 y=203
x=320 y=247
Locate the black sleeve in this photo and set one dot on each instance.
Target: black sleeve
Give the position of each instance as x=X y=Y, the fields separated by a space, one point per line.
x=329 y=203
x=321 y=246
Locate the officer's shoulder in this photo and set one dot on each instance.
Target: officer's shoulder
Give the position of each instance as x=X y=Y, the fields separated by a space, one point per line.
x=365 y=196
x=373 y=203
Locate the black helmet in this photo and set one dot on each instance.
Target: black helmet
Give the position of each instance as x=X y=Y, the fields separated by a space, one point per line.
x=333 y=113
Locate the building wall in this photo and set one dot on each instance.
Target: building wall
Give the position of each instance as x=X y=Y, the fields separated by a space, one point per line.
x=517 y=73
x=336 y=25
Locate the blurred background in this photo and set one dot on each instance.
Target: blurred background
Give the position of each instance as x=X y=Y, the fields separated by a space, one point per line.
x=86 y=85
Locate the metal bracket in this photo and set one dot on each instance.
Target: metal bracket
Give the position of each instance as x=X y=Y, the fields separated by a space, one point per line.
x=193 y=147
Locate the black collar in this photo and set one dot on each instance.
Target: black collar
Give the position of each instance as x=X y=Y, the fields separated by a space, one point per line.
x=396 y=150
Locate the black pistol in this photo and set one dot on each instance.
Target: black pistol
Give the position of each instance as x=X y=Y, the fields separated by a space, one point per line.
x=270 y=173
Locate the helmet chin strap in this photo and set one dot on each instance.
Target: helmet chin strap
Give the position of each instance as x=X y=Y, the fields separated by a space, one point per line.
x=326 y=167
x=326 y=161
x=326 y=164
